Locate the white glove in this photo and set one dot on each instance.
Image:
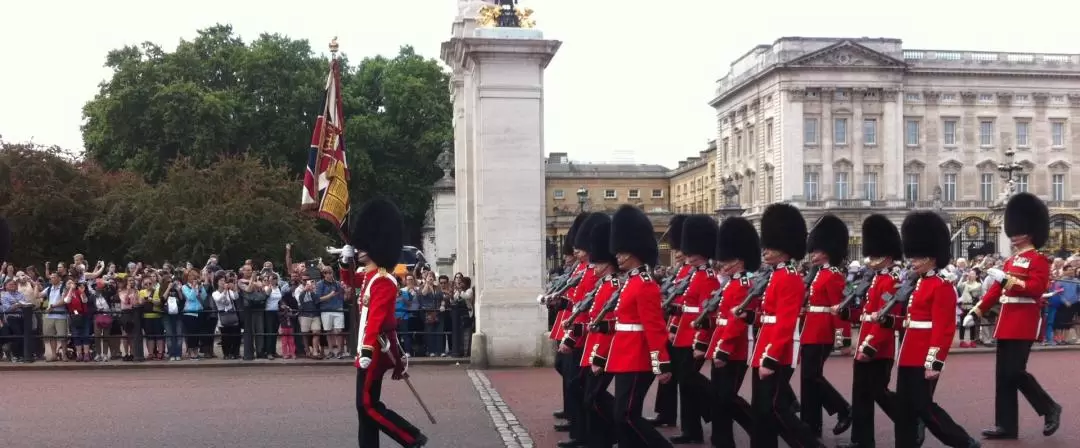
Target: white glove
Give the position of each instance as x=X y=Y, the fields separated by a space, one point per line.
x=540 y=299
x=347 y=253
x=364 y=362
x=405 y=362
x=969 y=321
x=996 y=273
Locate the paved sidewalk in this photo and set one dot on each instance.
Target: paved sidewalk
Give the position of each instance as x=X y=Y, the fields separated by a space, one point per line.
x=207 y=363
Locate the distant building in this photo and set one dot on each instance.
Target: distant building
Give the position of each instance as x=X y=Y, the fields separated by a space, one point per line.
x=694 y=184
x=858 y=126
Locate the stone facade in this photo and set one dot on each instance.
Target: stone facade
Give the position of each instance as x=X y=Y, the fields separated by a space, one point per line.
x=854 y=126
x=694 y=184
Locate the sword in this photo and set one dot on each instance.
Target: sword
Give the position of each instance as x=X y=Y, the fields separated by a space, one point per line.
x=423 y=406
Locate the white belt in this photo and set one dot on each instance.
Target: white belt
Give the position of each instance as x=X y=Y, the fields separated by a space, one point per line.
x=629 y=327
x=1005 y=300
x=721 y=321
x=691 y=309
x=865 y=318
x=918 y=324
x=768 y=319
x=818 y=309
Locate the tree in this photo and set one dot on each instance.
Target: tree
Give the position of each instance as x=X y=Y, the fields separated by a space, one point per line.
x=217 y=96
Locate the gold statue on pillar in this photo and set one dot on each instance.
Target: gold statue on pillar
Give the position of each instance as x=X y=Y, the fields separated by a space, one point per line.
x=490 y=14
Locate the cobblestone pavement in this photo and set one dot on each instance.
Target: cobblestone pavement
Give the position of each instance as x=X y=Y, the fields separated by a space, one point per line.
x=966 y=392
x=261 y=407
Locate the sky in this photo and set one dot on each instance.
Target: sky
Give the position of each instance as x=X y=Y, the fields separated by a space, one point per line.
x=631 y=81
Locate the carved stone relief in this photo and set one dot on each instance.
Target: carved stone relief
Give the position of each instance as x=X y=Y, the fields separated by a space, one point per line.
x=889 y=93
x=931 y=97
x=969 y=97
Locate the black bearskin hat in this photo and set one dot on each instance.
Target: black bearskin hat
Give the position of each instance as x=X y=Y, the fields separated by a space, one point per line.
x=926 y=235
x=378 y=230
x=737 y=239
x=600 y=246
x=830 y=235
x=1026 y=214
x=568 y=240
x=5 y=239
x=699 y=236
x=583 y=237
x=784 y=229
x=674 y=233
x=881 y=239
x=632 y=233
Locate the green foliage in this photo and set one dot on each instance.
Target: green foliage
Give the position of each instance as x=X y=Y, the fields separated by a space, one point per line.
x=238 y=208
x=218 y=96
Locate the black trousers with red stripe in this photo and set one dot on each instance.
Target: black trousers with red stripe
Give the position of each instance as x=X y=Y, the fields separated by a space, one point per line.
x=599 y=408
x=915 y=401
x=773 y=413
x=374 y=415
x=631 y=429
x=728 y=406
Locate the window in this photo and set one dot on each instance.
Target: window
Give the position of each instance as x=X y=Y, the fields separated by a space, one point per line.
x=986 y=133
x=1057 y=187
x=949 y=133
x=738 y=144
x=769 y=189
x=1057 y=134
x=558 y=194
x=911 y=133
x=610 y=194
x=810 y=128
x=840 y=131
x=986 y=97
x=841 y=185
x=750 y=141
x=949 y=192
x=768 y=134
x=911 y=187
x=1058 y=99
x=1022 y=133
x=869 y=131
x=911 y=97
x=750 y=194
x=986 y=187
x=634 y=193
x=657 y=193
x=1020 y=99
x=871 y=186
x=810 y=186
x=1021 y=183
x=948 y=97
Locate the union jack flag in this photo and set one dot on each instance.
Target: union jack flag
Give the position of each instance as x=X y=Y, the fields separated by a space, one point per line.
x=326 y=181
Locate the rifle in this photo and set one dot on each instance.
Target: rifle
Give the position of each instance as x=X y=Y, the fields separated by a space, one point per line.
x=808 y=280
x=676 y=291
x=544 y=299
x=901 y=295
x=609 y=306
x=666 y=285
x=584 y=305
x=764 y=276
x=866 y=277
x=757 y=289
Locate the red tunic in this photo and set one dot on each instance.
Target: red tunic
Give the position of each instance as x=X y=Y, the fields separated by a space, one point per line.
x=599 y=344
x=640 y=342
x=930 y=323
x=779 y=313
x=557 y=329
x=876 y=341
x=579 y=327
x=1021 y=316
x=378 y=325
x=821 y=326
x=729 y=340
x=673 y=321
x=702 y=284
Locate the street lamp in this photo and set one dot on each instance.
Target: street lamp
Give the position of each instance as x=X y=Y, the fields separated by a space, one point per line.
x=1007 y=170
x=582 y=195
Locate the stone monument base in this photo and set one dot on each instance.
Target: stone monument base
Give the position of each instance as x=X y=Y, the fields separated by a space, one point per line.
x=514 y=341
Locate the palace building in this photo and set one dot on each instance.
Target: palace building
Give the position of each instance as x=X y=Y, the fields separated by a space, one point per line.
x=857 y=126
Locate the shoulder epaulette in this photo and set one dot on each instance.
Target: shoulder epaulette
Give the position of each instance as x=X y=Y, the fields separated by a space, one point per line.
x=644 y=274
x=835 y=269
x=791 y=268
x=710 y=272
x=745 y=281
x=614 y=281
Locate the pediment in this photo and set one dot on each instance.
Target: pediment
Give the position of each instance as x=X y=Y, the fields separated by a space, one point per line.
x=1059 y=165
x=847 y=54
x=914 y=165
x=843 y=163
x=986 y=165
x=1027 y=164
x=951 y=165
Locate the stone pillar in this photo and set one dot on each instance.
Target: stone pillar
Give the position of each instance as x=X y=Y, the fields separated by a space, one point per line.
x=504 y=111
x=444 y=217
x=892 y=149
x=826 y=186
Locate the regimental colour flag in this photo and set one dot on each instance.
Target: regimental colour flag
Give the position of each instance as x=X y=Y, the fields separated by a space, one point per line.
x=326 y=181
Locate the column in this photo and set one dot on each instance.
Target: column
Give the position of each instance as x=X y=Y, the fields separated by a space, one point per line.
x=507 y=163
x=892 y=151
x=790 y=171
x=858 y=190
x=826 y=182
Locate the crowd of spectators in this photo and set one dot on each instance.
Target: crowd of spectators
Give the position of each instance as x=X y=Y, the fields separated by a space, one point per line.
x=78 y=312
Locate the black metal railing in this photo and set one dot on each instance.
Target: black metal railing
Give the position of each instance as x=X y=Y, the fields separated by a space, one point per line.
x=256 y=333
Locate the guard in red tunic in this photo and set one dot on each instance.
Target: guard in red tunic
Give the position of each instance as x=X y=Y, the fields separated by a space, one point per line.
x=783 y=238
x=876 y=345
x=558 y=304
x=638 y=352
x=571 y=346
x=930 y=328
x=727 y=342
x=667 y=394
x=377 y=234
x=822 y=331
x=1019 y=288
x=698 y=246
x=599 y=403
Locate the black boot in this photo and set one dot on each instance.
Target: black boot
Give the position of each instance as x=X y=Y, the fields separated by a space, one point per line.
x=563 y=427
x=572 y=443
x=559 y=414
x=1053 y=421
x=421 y=440
x=843 y=422
x=998 y=433
x=683 y=439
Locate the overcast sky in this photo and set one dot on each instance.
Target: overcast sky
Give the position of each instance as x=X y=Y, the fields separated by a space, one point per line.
x=631 y=81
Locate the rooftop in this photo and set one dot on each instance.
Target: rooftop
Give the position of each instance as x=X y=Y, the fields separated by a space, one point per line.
x=558 y=165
